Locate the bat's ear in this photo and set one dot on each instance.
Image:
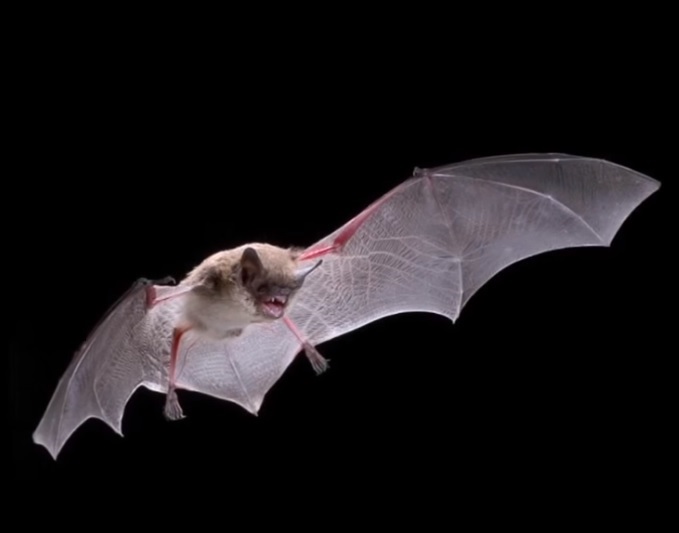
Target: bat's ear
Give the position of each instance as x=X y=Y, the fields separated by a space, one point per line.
x=251 y=266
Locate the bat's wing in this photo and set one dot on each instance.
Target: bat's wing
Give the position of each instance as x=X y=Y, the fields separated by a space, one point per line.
x=428 y=245
x=128 y=348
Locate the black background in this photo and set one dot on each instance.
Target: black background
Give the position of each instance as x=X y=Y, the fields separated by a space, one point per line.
x=140 y=162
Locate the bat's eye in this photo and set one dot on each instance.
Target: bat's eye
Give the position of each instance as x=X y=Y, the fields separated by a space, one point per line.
x=263 y=288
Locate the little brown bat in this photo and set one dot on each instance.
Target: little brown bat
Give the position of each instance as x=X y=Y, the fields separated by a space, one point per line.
x=232 y=289
x=232 y=326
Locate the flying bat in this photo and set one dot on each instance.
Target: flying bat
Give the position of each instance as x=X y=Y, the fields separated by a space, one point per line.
x=231 y=326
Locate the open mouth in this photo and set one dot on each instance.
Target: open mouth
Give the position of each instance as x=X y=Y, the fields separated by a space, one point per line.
x=274 y=307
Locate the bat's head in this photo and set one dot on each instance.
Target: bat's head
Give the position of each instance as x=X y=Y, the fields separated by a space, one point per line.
x=271 y=276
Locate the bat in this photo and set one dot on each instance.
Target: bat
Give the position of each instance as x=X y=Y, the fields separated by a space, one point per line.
x=231 y=326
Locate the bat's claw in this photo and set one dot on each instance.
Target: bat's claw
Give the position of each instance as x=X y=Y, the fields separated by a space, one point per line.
x=173 y=410
x=167 y=280
x=419 y=172
x=319 y=363
x=146 y=282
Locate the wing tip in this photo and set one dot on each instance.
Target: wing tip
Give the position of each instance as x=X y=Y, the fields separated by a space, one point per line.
x=52 y=448
x=253 y=406
x=652 y=183
x=651 y=187
x=55 y=443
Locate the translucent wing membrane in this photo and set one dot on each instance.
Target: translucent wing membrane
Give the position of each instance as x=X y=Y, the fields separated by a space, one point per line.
x=428 y=245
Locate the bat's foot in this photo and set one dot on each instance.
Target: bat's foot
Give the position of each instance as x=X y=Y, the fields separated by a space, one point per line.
x=173 y=410
x=319 y=363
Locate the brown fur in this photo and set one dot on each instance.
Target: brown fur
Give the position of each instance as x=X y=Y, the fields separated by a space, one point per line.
x=224 y=266
x=221 y=305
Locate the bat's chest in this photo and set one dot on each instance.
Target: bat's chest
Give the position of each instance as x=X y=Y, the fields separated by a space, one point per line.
x=217 y=319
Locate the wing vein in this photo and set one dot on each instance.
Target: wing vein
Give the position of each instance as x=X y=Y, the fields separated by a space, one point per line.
x=240 y=382
x=528 y=191
x=446 y=221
